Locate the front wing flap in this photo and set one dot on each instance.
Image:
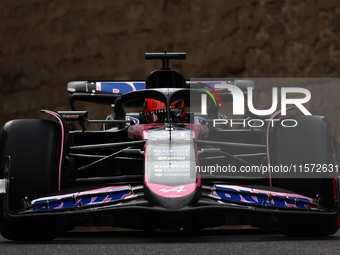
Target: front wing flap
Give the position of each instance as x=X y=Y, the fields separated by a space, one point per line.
x=214 y=198
x=260 y=198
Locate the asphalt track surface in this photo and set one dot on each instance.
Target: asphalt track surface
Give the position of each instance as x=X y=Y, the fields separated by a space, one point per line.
x=215 y=241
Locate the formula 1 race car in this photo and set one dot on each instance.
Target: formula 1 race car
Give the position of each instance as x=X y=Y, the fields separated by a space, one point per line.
x=160 y=162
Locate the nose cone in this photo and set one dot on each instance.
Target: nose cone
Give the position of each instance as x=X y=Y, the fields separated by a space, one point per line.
x=172 y=191
x=173 y=197
x=170 y=177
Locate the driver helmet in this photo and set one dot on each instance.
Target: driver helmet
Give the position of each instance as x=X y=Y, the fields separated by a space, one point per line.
x=154 y=111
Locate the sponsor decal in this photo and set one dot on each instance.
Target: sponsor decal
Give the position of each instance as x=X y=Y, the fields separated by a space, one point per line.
x=70 y=116
x=176 y=189
x=135 y=120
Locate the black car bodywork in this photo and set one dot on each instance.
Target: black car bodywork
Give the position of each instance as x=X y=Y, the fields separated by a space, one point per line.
x=134 y=174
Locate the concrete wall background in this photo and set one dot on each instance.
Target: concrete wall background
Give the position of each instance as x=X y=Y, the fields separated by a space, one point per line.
x=45 y=44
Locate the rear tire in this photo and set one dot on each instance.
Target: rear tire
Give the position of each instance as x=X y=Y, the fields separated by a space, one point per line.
x=312 y=141
x=33 y=147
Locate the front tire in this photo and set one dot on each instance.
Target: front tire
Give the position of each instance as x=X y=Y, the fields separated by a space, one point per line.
x=312 y=141
x=33 y=148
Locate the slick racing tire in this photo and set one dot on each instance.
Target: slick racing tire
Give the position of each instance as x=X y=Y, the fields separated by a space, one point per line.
x=312 y=141
x=33 y=148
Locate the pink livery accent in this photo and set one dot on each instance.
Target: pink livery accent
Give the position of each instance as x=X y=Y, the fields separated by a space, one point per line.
x=88 y=192
x=199 y=180
x=146 y=180
x=153 y=187
x=107 y=199
x=291 y=205
x=105 y=189
x=125 y=197
x=62 y=144
x=132 y=86
x=60 y=206
x=115 y=90
x=140 y=131
x=244 y=200
x=172 y=191
x=274 y=193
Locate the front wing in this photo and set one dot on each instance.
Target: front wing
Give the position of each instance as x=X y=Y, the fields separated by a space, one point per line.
x=214 y=198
